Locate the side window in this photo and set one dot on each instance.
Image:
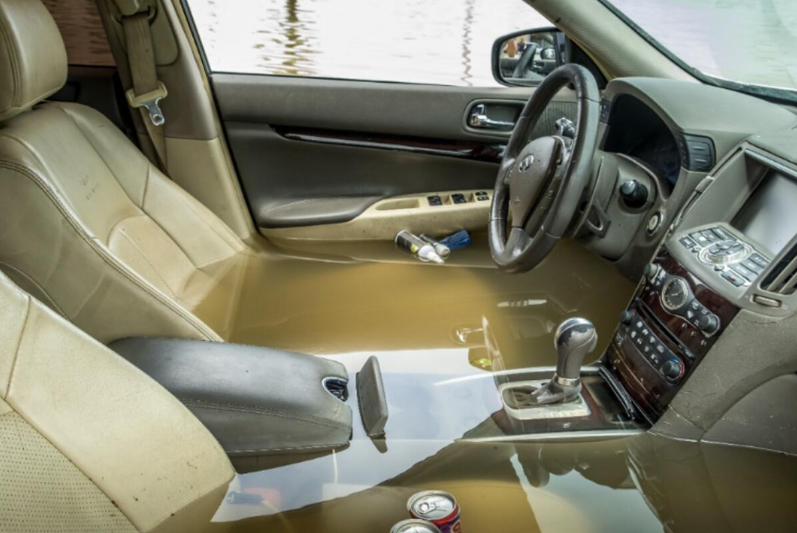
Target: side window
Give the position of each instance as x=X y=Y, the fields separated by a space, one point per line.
x=445 y=42
x=83 y=33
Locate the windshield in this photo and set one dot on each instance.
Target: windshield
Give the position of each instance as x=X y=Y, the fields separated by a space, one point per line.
x=748 y=45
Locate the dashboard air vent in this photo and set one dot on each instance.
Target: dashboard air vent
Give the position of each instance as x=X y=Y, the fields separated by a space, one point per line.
x=697 y=152
x=783 y=277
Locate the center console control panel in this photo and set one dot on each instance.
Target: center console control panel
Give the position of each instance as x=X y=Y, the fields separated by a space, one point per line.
x=730 y=257
x=672 y=323
x=676 y=298
x=651 y=347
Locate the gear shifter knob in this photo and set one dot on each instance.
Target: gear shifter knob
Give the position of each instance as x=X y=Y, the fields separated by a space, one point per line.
x=575 y=338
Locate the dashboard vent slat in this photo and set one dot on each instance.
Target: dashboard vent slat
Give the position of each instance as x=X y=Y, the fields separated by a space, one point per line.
x=783 y=277
x=790 y=285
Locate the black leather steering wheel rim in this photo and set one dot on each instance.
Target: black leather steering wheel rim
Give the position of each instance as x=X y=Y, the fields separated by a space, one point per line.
x=543 y=180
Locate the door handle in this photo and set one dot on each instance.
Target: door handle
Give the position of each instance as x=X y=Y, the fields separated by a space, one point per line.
x=479 y=119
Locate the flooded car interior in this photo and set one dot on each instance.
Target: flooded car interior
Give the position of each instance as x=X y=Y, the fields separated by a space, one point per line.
x=207 y=325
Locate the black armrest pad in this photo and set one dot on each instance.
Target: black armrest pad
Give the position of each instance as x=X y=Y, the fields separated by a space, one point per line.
x=255 y=401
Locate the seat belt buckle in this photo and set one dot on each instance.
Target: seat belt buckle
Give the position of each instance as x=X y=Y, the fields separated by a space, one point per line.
x=150 y=101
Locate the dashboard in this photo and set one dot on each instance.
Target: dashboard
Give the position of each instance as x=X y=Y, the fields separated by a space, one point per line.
x=658 y=140
x=711 y=321
x=734 y=250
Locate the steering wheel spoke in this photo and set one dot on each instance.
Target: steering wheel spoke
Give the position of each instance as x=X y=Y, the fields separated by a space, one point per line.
x=506 y=170
x=565 y=157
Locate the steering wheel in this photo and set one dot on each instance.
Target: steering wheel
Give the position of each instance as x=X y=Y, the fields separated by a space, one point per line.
x=541 y=181
x=523 y=63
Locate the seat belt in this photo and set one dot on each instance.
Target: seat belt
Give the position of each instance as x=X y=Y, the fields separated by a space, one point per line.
x=147 y=91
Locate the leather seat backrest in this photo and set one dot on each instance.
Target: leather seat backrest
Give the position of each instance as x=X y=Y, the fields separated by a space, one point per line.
x=88 y=224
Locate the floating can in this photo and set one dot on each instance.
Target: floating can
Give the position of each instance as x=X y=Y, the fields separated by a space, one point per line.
x=417 y=247
x=414 y=526
x=438 y=507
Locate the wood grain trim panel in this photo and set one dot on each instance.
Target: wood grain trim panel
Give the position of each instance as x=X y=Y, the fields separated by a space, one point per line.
x=471 y=150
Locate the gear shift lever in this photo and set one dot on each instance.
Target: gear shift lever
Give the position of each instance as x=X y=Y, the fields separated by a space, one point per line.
x=575 y=338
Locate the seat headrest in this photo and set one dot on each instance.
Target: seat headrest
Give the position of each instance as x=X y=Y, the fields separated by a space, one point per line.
x=33 y=62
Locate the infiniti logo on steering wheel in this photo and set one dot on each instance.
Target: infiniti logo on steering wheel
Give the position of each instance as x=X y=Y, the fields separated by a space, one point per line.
x=525 y=163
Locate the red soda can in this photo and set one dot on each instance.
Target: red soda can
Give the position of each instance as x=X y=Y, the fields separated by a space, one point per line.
x=438 y=507
x=414 y=526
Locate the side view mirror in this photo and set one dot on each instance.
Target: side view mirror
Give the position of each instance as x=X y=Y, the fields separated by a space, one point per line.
x=525 y=57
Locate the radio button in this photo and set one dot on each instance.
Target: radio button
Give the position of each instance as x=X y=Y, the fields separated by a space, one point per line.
x=687 y=242
x=746 y=273
x=752 y=265
x=759 y=260
x=733 y=278
x=724 y=235
x=700 y=239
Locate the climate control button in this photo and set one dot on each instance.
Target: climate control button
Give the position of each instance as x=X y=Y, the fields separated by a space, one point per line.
x=708 y=324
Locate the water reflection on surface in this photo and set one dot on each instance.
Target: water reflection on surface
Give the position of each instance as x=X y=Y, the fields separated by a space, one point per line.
x=442 y=42
x=431 y=327
x=444 y=413
x=643 y=483
x=388 y=302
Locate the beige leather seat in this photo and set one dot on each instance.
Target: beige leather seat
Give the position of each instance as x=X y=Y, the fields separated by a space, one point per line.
x=90 y=443
x=87 y=224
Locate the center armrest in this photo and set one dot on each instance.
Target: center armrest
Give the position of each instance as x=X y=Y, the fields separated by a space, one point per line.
x=255 y=401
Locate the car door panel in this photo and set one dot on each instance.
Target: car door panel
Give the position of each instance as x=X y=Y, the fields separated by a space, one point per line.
x=314 y=152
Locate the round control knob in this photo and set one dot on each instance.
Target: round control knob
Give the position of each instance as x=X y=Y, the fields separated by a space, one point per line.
x=626 y=317
x=725 y=252
x=651 y=271
x=633 y=193
x=708 y=324
x=673 y=369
